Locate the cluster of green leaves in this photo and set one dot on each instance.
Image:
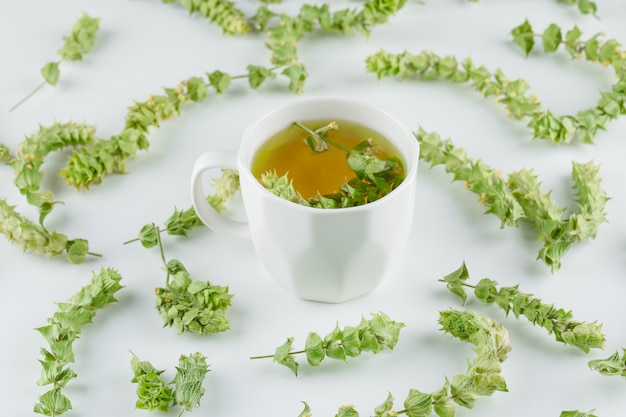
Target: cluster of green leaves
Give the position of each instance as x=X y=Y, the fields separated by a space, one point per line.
x=514 y=94
x=183 y=221
x=78 y=42
x=222 y=12
x=62 y=330
x=614 y=365
x=483 y=376
x=520 y=197
x=584 y=336
x=191 y=305
x=283 y=37
x=26 y=164
x=35 y=238
x=374 y=177
x=153 y=393
x=371 y=335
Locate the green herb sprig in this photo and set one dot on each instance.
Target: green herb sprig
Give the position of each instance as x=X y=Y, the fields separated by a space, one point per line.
x=560 y=323
x=154 y=394
x=78 y=42
x=514 y=94
x=520 y=197
x=283 y=37
x=181 y=222
x=614 y=365
x=37 y=239
x=371 y=335
x=374 y=177
x=190 y=305
x=222 y=12
x=62 y=330
x=483 y=376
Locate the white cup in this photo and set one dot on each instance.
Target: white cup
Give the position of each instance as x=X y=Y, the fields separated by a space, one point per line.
x=328 y=255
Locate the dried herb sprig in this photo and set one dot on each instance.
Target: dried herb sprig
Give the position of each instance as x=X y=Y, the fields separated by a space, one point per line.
x=62 y=330
x=614 y=365
x=190 y=305
x=154 y=394
x=222 y=12
x=371 y=335
x=182 y=222
x=78 y=42
x=483 y=376
x=560 y=323
x=514 y=94
x=520 y=198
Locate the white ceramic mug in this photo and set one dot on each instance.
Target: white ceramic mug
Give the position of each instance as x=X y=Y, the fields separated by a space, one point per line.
x=329 y=255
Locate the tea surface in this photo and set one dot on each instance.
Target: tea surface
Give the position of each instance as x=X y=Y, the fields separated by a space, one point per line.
x=316 y=172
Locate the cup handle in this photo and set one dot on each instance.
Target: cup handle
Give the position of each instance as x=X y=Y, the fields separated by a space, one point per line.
x=209 y=216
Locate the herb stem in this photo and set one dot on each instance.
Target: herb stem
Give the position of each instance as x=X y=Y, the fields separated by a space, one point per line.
x=163 y=259
x=320 y=133
x=32 y=93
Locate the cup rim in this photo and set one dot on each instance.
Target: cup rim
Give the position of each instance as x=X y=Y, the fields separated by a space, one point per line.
x=411 y=161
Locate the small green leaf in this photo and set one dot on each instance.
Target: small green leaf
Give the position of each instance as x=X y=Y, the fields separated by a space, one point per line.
x=50 y=73
x=551 y=38
x=314 y=349
x=523 y=36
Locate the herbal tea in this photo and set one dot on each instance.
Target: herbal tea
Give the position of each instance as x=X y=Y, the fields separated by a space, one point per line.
x=320 y=157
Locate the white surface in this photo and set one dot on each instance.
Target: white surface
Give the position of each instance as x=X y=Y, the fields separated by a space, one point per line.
x=145 y=45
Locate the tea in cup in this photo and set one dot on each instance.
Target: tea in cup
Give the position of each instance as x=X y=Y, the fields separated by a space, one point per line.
x=328 y=188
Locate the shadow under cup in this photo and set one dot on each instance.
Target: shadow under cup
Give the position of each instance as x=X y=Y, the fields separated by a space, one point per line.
x=328 y=255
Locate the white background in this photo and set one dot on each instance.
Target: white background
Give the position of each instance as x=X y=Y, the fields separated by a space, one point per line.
x=144 y=45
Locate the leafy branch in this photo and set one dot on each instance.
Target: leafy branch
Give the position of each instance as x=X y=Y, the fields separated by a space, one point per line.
x=77 y=43
x=62 y=330
x=584 y=336
x=514 y=94
x=520 y=197
x=371 y=335
x=154 y=394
